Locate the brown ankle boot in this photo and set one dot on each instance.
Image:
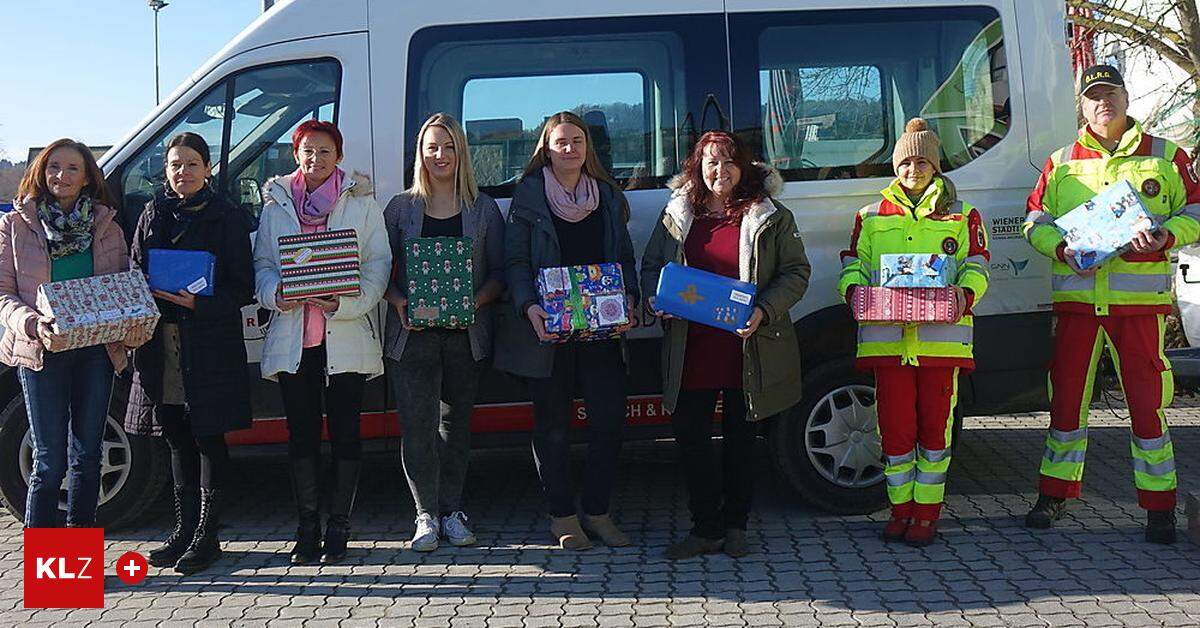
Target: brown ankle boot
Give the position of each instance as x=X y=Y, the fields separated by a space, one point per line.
x=603 y=527
x=568 y=534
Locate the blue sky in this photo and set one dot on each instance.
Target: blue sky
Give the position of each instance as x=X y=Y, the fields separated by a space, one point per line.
x=85 y=68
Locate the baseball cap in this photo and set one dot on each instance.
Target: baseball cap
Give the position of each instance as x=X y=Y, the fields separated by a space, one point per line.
x=1100 y=75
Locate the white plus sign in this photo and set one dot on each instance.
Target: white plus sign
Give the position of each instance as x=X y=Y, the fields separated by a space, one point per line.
x=132 y=568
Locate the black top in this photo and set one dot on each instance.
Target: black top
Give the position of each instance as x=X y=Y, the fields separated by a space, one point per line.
x=581 y=242
x=442 y=227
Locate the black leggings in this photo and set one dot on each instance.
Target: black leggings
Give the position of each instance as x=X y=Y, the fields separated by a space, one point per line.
x=306 y=392
x=195 y=460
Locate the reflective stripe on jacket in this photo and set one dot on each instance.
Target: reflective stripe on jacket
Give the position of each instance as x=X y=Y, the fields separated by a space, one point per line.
x=937 y=223
x=1134 y=283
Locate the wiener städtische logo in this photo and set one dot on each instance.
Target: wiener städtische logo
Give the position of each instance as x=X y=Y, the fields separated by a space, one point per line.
x=64 y=568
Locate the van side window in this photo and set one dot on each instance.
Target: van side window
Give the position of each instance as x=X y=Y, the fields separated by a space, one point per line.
x=834 y=110
x=247 y=120
x=639 y=83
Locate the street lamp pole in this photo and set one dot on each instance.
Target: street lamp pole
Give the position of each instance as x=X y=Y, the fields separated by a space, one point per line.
x=156 y=5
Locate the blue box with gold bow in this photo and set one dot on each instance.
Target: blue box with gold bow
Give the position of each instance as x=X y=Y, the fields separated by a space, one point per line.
x=703 y=297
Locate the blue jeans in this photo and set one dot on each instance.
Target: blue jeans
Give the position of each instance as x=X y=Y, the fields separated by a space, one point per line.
x=67 y=404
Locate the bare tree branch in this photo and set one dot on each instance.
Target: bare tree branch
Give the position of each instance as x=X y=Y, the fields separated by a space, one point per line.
x=1136 y=35
x=1146 y=25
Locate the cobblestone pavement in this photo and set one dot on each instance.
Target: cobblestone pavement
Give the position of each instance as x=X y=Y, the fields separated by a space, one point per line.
x=809 y=568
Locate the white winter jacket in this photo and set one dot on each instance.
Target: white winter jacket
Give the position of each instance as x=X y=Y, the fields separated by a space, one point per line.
x=353 y=336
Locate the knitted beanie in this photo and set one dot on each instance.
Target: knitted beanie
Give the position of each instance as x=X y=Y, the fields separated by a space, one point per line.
x=918 y=141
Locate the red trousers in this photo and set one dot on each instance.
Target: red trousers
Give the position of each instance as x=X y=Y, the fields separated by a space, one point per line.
x=1136 y=343
x=916 y=410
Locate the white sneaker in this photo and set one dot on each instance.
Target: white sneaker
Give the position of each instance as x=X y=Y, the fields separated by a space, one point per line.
x=455 y=527
x=426 y=537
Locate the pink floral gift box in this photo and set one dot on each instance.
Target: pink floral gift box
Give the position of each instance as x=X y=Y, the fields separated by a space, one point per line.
x=97 y=310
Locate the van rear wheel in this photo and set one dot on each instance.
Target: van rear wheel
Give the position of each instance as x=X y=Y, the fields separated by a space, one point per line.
x=827 y=447
x=133 y=469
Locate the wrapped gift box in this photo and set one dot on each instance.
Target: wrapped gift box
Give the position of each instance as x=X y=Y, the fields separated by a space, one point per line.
x=704 y=297
x=97 y=310
x=172 y=270
x=917 y=270
x=1105 y=225
x=872 y=304
x=440 y=292
x=584 y=302
x=321 y=264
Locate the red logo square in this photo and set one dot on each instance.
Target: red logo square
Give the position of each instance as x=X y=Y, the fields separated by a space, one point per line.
x=64 y=568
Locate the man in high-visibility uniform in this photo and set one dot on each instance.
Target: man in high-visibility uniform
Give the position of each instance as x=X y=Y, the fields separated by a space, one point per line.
x=1121 y=304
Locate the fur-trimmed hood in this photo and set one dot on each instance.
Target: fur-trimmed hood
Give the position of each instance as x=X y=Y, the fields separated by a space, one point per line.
x=682 y=213
x=279 y=189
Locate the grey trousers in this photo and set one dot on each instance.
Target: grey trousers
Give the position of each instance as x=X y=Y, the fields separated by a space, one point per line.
x=435 y=383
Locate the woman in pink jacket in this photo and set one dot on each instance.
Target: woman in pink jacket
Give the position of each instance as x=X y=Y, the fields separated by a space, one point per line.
x=60 y=228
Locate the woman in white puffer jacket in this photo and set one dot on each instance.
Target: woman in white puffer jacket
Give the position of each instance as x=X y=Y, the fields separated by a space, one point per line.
x=322 y=350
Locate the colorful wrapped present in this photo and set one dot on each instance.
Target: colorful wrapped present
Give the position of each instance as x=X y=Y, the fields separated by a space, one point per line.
x=917 y=270
x=1104 y=226
x=704 y=297
x=97 y=310
x=440 y=291
x=584 y=302
x=321 y=264
x=871 y=304
x=172 y=270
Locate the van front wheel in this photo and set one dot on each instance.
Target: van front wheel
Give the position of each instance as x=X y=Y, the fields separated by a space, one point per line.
x=827 y=447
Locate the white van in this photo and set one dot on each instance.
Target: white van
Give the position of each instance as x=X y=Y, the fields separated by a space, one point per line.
x=819 y=88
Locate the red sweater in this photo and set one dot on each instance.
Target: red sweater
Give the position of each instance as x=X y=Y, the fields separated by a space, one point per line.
x=713 y=357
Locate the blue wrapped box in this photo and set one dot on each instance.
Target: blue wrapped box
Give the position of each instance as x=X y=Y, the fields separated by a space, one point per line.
x=917 y=270
x=172 y=270
x=1104 y=226
x=703 y=297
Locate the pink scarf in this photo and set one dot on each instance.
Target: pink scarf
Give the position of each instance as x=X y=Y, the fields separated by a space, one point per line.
x=571 y=206
x=312 y=208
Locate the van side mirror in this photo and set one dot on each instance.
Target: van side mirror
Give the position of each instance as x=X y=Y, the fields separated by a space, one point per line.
x=249 y=193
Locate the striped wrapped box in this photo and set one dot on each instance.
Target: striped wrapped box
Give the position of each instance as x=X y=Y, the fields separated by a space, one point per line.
x=871 y=304
x=322 y=264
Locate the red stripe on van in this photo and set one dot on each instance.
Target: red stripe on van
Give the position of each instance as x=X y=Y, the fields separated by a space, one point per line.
x=505 y=417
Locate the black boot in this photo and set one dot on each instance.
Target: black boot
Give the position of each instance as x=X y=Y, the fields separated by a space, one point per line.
x=337 y=530
x=1045 y=512
x=187 y=510
x=1160 y=526
x=308 y=533
x=205 y=548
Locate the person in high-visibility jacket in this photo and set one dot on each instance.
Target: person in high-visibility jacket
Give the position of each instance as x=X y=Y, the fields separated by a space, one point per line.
x=1121 y=304
x=916 y=366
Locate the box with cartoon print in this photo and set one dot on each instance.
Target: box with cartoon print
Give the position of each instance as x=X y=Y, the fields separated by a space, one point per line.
x=440 y=292
x=584 y=302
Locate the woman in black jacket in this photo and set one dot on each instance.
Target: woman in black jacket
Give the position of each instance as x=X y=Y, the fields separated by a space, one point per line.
x=190 y=383
x=567 y=211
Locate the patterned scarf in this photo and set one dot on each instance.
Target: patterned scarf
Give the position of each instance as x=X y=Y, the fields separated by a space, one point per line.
x=182 y=211
x=313 y=208
x=67 y=232
x=576 y=204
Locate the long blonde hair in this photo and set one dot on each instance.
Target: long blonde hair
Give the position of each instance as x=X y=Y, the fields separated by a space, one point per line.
x=465 y=187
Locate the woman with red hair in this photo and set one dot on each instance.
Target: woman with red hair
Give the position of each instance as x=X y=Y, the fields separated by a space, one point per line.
x=322 y=351
x=722 y=218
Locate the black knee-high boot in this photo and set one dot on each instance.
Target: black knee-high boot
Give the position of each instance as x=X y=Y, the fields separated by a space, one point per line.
x=205 y=547
x=341 y=503
x=308 y=531
x=187 y=512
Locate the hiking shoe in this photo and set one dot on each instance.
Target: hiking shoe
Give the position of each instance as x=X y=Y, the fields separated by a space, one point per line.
x=1045 y=512
x=694 y=546
x=1160 y=526
x=736 y=545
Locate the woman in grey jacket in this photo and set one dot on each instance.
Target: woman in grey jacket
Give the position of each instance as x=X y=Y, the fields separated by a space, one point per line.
x=443 y=202
x=567 y=211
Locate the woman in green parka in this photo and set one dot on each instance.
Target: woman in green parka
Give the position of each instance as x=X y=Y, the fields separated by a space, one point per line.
x=722 y=218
